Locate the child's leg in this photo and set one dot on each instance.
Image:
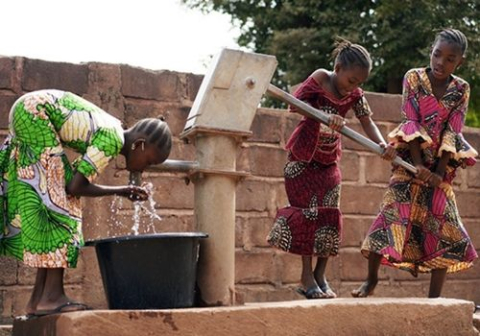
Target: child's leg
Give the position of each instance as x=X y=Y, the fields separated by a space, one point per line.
x=369 y=285
x=54 y=299
x=436 y=282
x=319 y=274
x=37 y=290
x=53 y=294
x=307 y=277
x=308 y=281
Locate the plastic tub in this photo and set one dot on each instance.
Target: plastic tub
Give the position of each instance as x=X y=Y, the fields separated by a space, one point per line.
x=151 y=271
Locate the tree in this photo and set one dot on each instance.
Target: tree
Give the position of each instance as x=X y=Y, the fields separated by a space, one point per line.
x=402 y=37
x=398 y=34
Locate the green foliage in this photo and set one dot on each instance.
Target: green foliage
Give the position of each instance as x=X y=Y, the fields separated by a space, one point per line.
x=398 y=34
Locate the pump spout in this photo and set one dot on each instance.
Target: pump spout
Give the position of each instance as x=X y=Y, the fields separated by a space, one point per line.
x=135 y=178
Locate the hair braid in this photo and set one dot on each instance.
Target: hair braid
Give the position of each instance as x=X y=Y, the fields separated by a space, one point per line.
x=350 y=54
x=451 y=35
x=156 y=132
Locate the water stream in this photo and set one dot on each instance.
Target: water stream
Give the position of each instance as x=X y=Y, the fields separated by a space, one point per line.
x=139 y=208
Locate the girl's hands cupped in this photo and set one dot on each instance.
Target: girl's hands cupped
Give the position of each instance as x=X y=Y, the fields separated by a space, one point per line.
x=136 y=193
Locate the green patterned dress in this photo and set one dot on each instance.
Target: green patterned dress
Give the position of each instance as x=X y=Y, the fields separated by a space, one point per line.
x=39 y=222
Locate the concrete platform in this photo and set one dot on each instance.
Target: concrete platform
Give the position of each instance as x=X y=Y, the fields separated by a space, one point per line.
x=5 y=330
x=337 y=317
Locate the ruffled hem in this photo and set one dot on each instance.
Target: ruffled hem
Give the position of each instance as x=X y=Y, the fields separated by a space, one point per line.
x=456 y=144
x=458 y=257
x=461 y=155
x=407 y=131
x=415 y=268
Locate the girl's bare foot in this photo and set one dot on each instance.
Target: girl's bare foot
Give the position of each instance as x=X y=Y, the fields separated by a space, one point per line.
x=366 y=289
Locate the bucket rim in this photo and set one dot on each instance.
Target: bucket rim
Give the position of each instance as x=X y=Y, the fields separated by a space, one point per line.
x=166 y=235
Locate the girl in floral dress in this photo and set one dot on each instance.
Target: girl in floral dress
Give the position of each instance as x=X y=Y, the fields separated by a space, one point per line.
x=40 y=213
x=419 y=228
x=311 y=225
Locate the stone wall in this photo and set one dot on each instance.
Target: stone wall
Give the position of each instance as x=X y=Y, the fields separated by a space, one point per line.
x=262 y=273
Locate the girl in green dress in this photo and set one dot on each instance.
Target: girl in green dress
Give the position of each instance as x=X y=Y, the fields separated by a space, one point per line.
x=40 y=212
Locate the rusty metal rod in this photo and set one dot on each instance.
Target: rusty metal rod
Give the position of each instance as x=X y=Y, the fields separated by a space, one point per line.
x=311 y=112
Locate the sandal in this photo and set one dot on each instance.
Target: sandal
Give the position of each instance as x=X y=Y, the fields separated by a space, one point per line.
x=310 y=293
x=63 y=308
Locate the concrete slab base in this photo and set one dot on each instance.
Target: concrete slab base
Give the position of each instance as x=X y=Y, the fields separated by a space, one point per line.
x=5 y=330
x=337 y=317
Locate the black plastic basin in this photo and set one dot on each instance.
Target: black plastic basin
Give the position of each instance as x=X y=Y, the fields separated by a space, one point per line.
x=151 y=271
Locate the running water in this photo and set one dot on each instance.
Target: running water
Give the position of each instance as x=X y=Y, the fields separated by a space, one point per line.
x=136 y=217
x=147 y=207
x=117 y=203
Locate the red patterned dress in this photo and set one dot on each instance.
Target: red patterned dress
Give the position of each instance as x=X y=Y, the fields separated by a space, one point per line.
x=311 y=224
x=418 y=228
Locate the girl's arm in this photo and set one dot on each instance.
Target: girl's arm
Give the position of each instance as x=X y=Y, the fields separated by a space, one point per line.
x=374 y=134
x=80 y=186
x=415 y=153
x=372 y=130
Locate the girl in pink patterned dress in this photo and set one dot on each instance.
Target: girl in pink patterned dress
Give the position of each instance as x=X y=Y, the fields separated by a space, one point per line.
x=418 y=228
x=311 y=225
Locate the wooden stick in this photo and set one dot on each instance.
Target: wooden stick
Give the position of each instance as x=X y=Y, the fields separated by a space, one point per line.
x=311 y=112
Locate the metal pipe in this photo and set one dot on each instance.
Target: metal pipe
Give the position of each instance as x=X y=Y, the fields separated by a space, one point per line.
x=311 y=112
x=174 y=166
x=135 y=178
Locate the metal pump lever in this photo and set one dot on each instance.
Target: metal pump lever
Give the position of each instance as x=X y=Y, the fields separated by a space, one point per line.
x=311 y=112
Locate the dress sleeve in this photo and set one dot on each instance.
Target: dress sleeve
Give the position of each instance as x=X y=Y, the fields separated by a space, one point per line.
x=410 y=127
x=452 y=138
x=361 y=108
x=104 y=146
x=306 y=92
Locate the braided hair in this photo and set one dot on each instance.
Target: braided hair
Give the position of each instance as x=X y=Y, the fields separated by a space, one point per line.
x=156 y=133
x=455 y=36
x=349 y=54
